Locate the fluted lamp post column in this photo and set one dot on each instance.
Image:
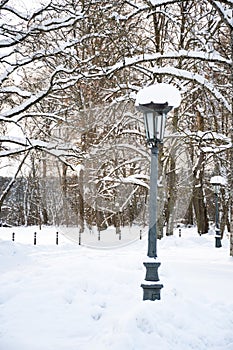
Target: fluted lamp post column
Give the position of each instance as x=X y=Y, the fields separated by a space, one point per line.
x=154 y=101
x=217 y=182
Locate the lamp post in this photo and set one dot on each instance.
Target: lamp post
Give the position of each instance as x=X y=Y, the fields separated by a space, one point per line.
x=154 y=102
x=217 y=182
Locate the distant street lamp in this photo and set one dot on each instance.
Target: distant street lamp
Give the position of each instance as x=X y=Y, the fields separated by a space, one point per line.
x=155 y=101
x=217 y=182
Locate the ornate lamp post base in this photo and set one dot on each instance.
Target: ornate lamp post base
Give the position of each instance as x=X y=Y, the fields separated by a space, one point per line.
x=151 y=291
x=152 y=271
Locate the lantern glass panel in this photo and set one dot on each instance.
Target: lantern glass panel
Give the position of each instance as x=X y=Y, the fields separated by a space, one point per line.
x=154 y=125
x=149 y=125
x=217 y=188
x=159 y=125
x=163 y=118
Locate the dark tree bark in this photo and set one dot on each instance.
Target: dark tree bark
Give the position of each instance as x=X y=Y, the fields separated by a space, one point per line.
x=81 y=201
x=199 y=198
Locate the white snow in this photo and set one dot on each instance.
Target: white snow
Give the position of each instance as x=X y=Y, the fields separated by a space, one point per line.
x=218 y=180
x=159 y=93
x=71 y=297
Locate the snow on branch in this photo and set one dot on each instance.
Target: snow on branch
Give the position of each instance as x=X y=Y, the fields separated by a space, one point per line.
x=185 y=54
x=137 y=149
x=224 y=12
x=25 y=105
x=56 y=23
x=136 y=179
x=59 y=149
x=201 y=80
x=53 y=85
x=15 y=90
x=15 y=12
x=207 y=140
x=32 y=23
x=169 y=70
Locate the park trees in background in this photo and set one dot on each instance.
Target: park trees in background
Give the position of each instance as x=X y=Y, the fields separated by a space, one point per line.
x=70 y=71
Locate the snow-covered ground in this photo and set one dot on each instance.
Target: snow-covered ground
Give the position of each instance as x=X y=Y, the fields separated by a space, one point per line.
x=71 y=297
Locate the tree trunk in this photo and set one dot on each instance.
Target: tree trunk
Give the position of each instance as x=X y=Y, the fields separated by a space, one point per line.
x=188 y=219
x=81 y=202
x=171 y=201
x=200 y=210
x=231 y=159
x=198 y=197
x=64 y=192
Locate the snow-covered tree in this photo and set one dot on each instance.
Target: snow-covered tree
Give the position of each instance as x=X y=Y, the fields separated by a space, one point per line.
x=67 y=64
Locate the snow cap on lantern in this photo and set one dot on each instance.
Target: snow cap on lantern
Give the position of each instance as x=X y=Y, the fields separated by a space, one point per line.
x=159 y=93
x=155 y=101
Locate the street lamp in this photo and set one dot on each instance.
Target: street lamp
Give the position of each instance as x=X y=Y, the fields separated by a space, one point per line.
x=154 y=101
x=217 y=182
